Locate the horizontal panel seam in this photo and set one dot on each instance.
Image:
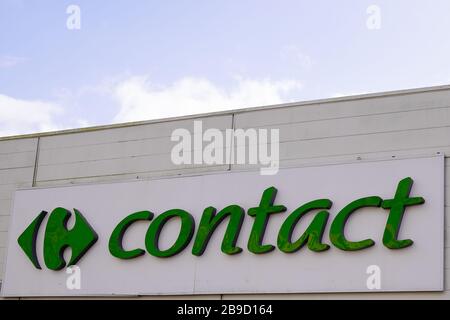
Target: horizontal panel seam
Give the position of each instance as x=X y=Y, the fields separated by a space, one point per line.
x=239 y=146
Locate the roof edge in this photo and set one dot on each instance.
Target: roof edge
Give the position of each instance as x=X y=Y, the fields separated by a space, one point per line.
x=233 y=111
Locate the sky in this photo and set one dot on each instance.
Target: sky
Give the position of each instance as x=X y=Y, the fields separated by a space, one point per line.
x=72 y=64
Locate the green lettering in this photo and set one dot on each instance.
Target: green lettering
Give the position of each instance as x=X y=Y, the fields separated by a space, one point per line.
x=153 y=232
x=397 y=208
x=210 y=221
x=115 y=241
x=337 y=234
x=313 y=234
x=262 y=214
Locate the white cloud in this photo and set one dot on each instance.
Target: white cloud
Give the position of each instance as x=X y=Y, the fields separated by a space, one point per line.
x=10 y=61
x=140 y=100
x=23 y=116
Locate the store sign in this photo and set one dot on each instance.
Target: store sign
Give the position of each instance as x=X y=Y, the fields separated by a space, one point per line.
x=311 y=229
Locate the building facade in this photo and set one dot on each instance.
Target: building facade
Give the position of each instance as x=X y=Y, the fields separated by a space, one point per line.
x=392 y=125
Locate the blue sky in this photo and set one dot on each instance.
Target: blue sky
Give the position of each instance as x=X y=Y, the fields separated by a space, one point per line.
x=140 y=60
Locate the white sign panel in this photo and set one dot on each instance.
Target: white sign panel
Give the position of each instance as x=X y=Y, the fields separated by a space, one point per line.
x=391 y=240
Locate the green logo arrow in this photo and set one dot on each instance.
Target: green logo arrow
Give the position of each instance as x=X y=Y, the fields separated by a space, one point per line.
x=57 y=238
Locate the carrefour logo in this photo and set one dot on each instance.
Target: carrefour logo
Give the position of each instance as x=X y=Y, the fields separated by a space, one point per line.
x=57 y=238
x=81 y=237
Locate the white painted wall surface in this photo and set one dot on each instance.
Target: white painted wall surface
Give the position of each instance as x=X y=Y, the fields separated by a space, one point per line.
x=405 y=123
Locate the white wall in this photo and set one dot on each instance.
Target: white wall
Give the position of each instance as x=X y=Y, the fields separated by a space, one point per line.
x=17 y=159
x=408 y=123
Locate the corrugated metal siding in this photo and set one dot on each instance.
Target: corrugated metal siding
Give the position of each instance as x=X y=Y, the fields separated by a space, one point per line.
x=125 y=153
x=17 y=160
x=408 y=124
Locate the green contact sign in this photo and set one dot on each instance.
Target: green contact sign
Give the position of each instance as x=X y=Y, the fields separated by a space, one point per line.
x=82 y=236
